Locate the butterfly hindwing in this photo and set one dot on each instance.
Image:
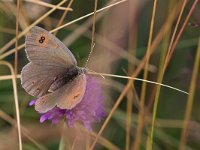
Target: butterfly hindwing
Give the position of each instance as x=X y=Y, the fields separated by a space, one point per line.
x=66 y=97
x=73 y=93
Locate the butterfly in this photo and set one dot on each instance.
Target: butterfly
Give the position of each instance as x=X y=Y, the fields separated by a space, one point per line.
x=52 y=75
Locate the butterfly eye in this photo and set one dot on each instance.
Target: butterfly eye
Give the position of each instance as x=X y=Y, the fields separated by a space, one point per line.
x=42 y=38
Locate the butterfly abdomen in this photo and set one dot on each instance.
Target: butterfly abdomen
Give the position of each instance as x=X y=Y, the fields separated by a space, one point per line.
x=65 y=78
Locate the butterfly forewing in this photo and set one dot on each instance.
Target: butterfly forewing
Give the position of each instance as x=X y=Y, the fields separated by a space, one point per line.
x=43 y=48
x=66 y=97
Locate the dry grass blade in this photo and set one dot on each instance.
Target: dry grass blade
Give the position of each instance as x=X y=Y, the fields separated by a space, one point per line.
x=90 y=14
x=143 y=92
x=167 y=59
x=11 y=7
x=8 y=77
x=93 y=32
x=190 y=99
x=183 y=27
x=62 y=144
x=15 y=73
x=108 y=44
x=11 y=42
x=161 y=74
x=63 y=16
x=17 y=32
x=81 y=29
x=132 y=94
x=73 y=145
x=15 y=100
x=155 y=43
x=47 y=5
x=103 y=141
x=173 y=36
x=7 y=30
x=11 y=51
x=25 y=132
x=93 y=25
x=54 y=30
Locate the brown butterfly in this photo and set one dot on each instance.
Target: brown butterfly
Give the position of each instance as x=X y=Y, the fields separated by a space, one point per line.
x=52 y=75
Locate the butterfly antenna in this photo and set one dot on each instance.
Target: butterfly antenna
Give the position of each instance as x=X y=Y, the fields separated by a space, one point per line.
x=89 y=55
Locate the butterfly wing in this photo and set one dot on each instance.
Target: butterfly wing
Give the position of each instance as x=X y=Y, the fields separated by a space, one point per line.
x=36 y=80
x=43 y=48
x=66 y=97
x=49 y=58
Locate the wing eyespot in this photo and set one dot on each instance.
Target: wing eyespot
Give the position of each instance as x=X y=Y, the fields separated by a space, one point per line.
x=42 y=39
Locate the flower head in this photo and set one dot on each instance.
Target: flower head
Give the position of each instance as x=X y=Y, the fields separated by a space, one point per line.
x=89 y=110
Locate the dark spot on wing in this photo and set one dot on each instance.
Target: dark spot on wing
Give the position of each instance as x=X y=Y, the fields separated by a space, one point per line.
x=42 y=38
x=77 y=95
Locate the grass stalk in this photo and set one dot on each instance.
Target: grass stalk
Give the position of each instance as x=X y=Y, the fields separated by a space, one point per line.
x=63 y=16
x=15 y=74
x=25 y=132
x=48 y=5
x=54 y=30
x=93 y=33
x=170 y=51
x=15 y=100
x=190 y=99
x=155 y=43
x=161 y=74
x=143 y=92
x=11 y=42
x=132 y=52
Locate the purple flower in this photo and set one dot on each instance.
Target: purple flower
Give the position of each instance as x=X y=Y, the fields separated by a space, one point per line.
x=89 y=110
x=31 y=103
